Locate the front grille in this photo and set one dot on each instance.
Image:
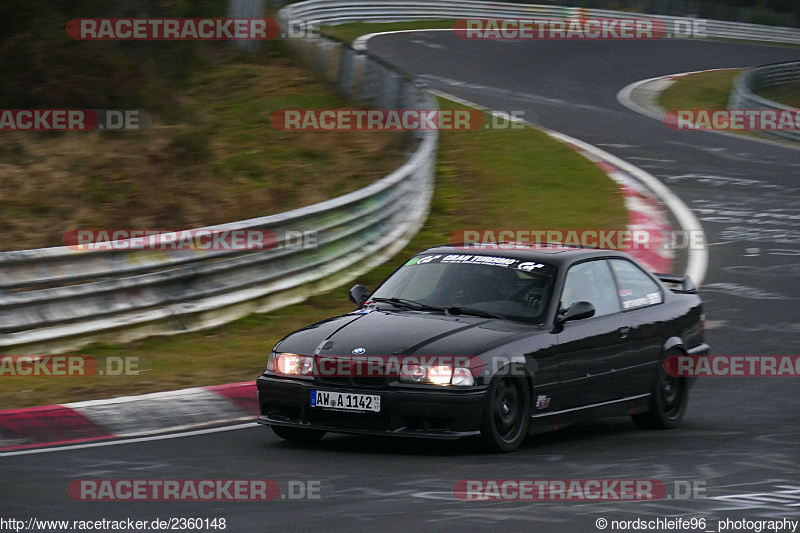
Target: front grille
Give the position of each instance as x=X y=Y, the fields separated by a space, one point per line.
x=345 y=373
x=333 y=380
x=363 y=381
x=369 y=381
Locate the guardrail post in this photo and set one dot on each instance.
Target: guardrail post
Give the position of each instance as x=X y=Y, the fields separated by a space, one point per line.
x=345 y=76
x=359 y=67
x=246 y=9
x=369 y=82
x=389 y=93
x=326 y=54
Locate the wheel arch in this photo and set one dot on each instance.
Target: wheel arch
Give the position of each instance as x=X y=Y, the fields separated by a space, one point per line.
x=518 y=368
x=673 y=344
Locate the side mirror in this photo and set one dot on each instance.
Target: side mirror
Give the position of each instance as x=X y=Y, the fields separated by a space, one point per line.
x=359 y=293
x=577 y=311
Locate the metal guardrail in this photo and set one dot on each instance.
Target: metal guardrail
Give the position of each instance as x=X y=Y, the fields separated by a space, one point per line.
x=58 y=299
x=337 y=12
x=743 y=95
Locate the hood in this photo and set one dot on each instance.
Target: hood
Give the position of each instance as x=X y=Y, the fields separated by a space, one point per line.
x=381 y=332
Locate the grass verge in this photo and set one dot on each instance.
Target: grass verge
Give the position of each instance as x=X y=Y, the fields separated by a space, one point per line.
x=704 y=90
x=711 y=90
x=212 y=156
x=484 y=179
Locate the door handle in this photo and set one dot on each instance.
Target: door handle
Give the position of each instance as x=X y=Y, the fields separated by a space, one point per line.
x=624 y=331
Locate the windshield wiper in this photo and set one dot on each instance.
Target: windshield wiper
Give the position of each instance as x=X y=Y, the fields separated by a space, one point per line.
x=458 y=310
x=409 y=304
x=453 y=310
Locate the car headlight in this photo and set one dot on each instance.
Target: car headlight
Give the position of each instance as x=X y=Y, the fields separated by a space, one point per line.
x=462 y=377
x=437 y=375
x=291 y=364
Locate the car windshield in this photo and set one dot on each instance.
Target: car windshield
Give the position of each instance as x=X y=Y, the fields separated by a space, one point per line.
x=479 y=285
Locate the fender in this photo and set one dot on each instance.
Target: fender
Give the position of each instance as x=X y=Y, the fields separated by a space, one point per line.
x=492 y=365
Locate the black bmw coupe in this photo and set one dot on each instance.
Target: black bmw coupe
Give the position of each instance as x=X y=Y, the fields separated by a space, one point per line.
x=490 y=341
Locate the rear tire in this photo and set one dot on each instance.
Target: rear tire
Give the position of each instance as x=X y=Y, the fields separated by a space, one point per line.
x=299 y=435
x=668 y=400
x=506 y=414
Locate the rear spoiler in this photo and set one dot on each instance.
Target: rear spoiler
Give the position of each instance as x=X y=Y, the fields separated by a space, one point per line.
x=678 y=283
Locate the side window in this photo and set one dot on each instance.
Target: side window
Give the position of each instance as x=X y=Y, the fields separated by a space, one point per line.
x=636 y=289
x=591 y=282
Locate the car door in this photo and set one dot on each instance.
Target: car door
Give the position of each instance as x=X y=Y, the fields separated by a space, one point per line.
x=641 y=299
x=592 y=350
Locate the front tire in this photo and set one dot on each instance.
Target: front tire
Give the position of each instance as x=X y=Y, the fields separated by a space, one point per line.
x=298 y=435
x=506 y=414
x=668 y=400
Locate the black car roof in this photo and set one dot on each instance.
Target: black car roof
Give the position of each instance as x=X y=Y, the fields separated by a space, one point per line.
x=552 y=253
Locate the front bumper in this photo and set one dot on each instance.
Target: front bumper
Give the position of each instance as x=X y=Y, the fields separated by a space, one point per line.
x=406 y=410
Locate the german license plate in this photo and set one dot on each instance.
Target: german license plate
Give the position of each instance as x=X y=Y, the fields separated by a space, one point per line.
x=346 y=401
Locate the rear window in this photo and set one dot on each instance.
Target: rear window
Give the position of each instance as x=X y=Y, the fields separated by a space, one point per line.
x=636 y=288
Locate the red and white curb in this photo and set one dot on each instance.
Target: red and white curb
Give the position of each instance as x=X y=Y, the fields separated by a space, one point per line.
x=647 y=201
x=645 y=211
x=128 y=416
x=641 y=96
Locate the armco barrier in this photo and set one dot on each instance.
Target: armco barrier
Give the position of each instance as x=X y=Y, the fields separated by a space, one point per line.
x=337 y=12
x=755 y=79
x=57 y=299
